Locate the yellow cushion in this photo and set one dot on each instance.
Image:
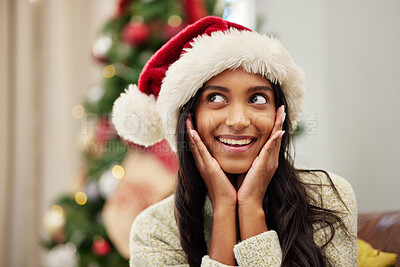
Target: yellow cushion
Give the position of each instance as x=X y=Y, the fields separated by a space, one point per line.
x=370 y=257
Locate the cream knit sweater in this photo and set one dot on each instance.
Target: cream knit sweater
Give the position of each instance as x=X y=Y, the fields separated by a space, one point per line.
x=154 y=238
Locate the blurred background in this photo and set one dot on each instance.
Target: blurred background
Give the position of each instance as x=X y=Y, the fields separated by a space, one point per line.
x=69 y=187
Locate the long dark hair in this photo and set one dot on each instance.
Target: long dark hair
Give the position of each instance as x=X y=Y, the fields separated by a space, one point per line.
x=286 y=198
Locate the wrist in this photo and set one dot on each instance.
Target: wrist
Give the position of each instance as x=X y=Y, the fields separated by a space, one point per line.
x=251 y=210
x=250 y=200
x=224 y=209
x=250 y=206
x=251 y=222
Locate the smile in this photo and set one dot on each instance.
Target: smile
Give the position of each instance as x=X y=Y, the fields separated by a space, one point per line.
x=236 y=144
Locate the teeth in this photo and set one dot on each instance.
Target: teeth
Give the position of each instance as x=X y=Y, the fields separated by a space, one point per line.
x=234 y=141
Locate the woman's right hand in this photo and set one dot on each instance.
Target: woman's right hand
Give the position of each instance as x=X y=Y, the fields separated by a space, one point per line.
x=219 y=187
x=223 y=197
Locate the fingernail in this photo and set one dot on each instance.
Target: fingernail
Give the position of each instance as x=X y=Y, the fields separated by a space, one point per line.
x=283 y=117
x=191 y=131
x=281 y=134
x=283 y=109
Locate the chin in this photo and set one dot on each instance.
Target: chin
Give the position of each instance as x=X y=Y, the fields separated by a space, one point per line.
x=233 y=168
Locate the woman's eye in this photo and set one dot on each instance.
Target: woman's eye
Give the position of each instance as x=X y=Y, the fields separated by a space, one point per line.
x=258 y=99
x=216 y=98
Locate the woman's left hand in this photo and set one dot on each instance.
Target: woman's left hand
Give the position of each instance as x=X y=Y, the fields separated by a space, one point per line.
x=251 y=192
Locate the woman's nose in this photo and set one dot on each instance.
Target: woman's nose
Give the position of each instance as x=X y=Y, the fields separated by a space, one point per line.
x=237 y=118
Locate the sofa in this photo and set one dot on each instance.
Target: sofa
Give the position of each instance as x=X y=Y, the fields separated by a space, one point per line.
x=381 y=230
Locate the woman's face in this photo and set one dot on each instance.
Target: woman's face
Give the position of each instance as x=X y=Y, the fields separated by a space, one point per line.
x=234 y=118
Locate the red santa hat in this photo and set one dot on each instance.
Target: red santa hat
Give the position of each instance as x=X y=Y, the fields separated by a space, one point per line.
x=148 y=113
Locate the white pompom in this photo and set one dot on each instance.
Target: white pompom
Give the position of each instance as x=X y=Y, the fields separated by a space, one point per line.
x=135 y=117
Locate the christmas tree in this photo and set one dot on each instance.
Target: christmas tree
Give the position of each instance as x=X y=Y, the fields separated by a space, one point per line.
x=83 y=225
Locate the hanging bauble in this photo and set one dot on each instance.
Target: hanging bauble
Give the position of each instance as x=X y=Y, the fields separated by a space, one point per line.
x=100 y=246
x=63 y=255
x=100 y=48
x=136 y=33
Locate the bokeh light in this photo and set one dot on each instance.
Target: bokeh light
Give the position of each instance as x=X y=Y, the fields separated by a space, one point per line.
x=118 y=171
x=57 y=210
x=78 y=111
x=108 y=71
x=174 y=21
x=80 y=198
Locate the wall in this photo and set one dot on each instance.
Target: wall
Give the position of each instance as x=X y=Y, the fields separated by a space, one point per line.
x=45 y=69
x=350 y=53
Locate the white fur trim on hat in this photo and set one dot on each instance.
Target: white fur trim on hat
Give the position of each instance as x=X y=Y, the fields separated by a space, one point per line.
x=231 y=49
x=135 y=117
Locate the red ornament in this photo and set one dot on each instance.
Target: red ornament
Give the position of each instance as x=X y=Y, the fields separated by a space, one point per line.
x=135 y=33
x=101 y=247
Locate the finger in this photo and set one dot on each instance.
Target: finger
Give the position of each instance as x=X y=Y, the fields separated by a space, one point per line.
x=273 y=144
x=202 y=149
x=201 y=152
x=192 y=142
x=276 y=132
x=279 y=119
x=189 y=127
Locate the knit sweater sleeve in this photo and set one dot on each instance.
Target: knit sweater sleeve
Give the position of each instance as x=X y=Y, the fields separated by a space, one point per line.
x=265 y=250
x=260 y=250
x=154 y=239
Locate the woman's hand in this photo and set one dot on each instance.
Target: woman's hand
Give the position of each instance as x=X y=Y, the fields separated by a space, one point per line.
x=223 y=198
x=251 y=192
x=219 y=187
x=255 y=184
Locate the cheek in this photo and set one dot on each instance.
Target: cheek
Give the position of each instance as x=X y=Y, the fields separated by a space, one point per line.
x=265 y=123
x=205 y=124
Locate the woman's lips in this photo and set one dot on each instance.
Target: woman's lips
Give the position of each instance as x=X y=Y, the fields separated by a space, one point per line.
x=235 y=144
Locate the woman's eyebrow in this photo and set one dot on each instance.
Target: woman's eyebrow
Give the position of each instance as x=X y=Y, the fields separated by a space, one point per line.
x=258 y=88
x=216 y=87
x=226 y=90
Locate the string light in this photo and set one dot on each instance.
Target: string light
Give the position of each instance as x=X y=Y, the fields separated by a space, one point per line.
x=80 y=198
x=108 y=71
x=174 y=21
x=118 y=171
x=78 y=111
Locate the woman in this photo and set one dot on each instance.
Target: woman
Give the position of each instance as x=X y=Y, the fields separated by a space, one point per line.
x=227 y=102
